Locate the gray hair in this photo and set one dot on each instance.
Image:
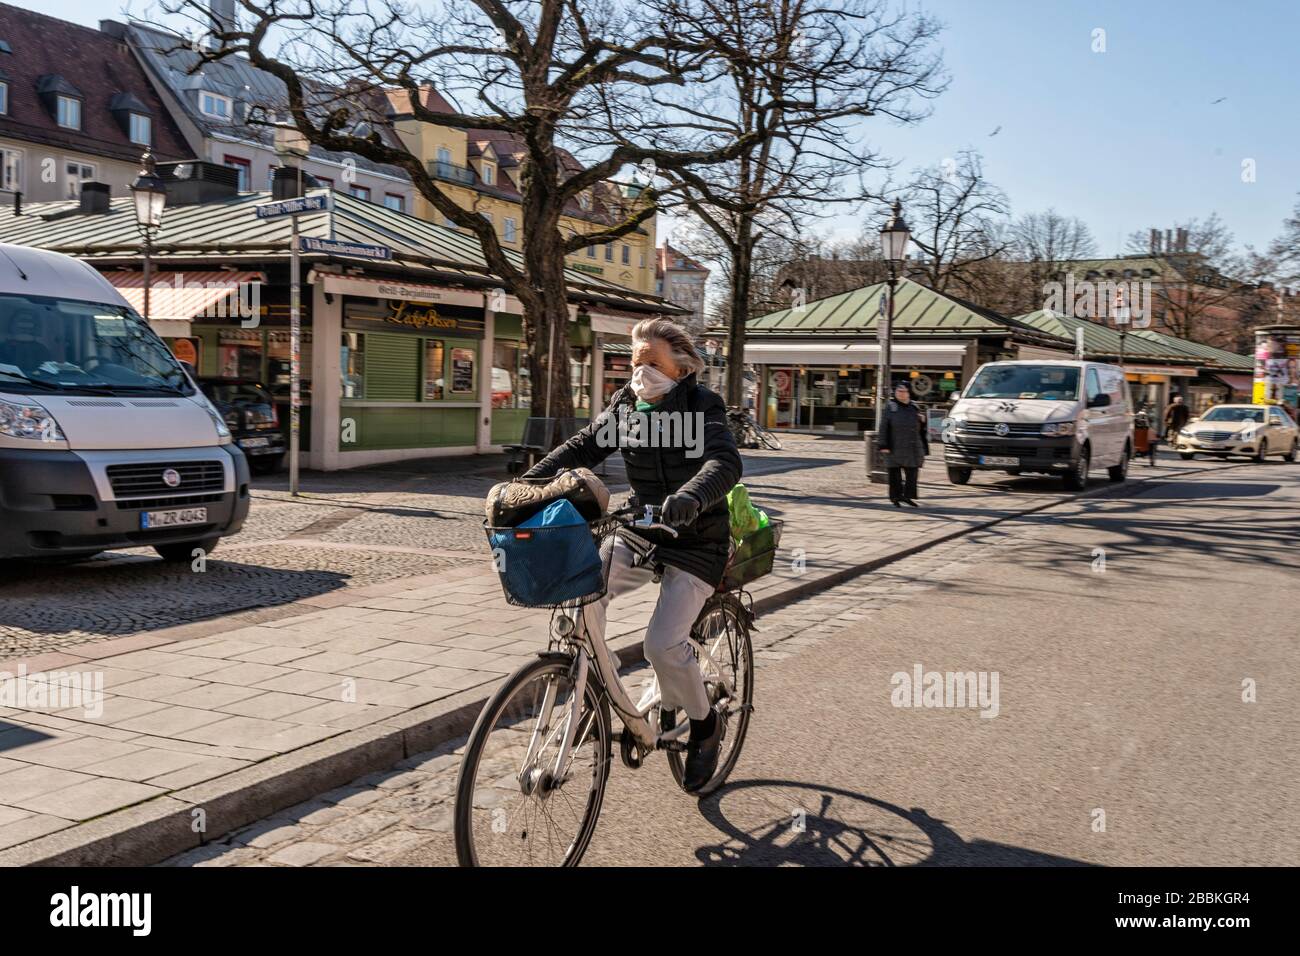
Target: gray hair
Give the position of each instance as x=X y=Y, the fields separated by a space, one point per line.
x=679 y=341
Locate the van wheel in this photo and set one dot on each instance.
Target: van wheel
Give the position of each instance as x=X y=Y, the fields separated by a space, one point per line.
x=1077 y=479
x=959 y=476
x=183 y=551
x=1295 y=449
x=1120 y=472
x=1262 y=453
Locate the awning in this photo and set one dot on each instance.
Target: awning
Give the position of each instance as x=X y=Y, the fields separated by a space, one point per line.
x=176 y=298
x=1237 y=383
x=934 y=354
x=612 y=324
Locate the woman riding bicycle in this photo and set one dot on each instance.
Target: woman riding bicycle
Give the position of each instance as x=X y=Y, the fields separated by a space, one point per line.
x=680 y=454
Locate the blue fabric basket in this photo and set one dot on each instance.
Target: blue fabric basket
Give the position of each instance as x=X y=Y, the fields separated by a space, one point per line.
x=549 y=560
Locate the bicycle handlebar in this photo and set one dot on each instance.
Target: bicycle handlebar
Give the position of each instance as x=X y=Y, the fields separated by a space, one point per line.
x=650 y=515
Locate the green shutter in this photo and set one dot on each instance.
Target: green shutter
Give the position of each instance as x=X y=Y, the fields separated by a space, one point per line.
x=392 y=367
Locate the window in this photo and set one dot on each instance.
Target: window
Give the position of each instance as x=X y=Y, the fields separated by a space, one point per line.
x=643 y=260
x=11 y=170
x=69 y=112
x=444 y=162
x=4 y=97
x=1094 y=386
x=510 y=375
x=511 y=228
x=76 y=174
x=352 y=365
x=627 y=254
x=435 y=385
x=609 y=252
x=141 y=129
x=215 y=105
x=591 y=252
x=489 y=174
x=462 y=371
x=245 y=170
x=361 y=192
x=395 y=202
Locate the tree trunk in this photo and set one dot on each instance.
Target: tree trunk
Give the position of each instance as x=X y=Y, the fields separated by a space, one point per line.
x=741 y=279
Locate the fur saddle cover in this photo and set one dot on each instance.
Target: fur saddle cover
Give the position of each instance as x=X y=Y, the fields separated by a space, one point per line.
x=511 y=502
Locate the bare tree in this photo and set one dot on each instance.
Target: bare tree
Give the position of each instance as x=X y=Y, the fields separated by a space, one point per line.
x=954 y=213
x=788 y=81
x=540 y=71
x=1209 y=287
x=1285 y=249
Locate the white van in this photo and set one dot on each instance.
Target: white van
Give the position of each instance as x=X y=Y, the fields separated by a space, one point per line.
x=1050 y=417
x=105 y=442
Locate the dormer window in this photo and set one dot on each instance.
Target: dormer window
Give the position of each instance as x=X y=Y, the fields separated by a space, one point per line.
x=68 y=112
x=216 y=105
x=489 y=174
x=132 y=118
x=141 y=129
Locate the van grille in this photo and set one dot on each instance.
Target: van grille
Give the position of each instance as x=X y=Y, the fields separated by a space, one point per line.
x=1015 y=429
x=146 y=480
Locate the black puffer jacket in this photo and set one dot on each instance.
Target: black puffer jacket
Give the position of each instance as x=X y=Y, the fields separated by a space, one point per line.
x=657 y=472
x=904 y=433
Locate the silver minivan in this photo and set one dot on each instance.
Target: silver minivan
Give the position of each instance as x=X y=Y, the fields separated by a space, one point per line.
x=1061 y=417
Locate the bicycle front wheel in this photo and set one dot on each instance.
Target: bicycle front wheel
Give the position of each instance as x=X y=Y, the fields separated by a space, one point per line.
x=510 y=808
x=722 y=629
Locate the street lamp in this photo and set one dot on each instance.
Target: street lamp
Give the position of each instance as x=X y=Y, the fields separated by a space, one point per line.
x=894 y=236
x=150 y=195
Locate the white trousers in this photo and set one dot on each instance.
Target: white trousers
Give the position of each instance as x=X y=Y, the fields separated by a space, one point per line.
x=667 y=638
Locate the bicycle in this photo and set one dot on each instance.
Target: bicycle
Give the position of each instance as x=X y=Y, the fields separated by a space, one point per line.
x=748 y=432
x=556 y=735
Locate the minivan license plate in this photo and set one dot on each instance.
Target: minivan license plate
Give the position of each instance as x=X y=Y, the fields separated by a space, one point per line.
x=170 y=519
x=996 y=460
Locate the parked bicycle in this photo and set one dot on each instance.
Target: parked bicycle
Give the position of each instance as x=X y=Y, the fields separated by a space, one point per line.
x=535 y=768
x=748 y=432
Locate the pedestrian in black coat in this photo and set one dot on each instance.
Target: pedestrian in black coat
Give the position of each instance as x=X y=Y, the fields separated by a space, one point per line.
x=904 y=443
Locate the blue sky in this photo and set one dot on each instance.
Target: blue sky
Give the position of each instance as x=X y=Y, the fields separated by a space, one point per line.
x=1126 y=139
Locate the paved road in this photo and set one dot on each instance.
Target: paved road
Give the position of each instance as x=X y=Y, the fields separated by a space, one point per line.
x=1121 y=631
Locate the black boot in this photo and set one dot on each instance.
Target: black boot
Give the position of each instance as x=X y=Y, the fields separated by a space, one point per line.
x=702 y=752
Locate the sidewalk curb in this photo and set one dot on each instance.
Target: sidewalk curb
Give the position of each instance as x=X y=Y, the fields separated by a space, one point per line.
x=164 y=826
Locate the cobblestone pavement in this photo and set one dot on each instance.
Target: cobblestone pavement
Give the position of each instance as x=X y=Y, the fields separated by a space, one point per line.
x=404 y=816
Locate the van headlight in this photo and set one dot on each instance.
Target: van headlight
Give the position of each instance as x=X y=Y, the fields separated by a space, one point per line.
x=1058 y=428
x=218 y=422
x=25 y=420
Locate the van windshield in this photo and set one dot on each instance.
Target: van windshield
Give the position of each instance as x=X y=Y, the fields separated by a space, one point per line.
x=64 y=345
x=1051 y=382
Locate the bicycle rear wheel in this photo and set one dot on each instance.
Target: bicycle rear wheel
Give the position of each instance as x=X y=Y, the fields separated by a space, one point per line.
x=728 y=671
x=509 y=812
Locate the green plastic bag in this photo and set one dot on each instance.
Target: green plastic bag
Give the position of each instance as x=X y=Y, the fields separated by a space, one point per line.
x=745 y=518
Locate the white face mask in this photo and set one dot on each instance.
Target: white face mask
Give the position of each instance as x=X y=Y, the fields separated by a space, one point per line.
x=648 y=383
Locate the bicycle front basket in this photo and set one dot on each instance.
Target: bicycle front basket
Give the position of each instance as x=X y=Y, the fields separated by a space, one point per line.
x=753 y=557
x=549 y=560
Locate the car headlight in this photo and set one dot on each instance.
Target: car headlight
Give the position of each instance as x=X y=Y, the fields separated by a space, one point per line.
x=25 y=420
x=218 y=422
x=1058 y=428
x=1184 y=433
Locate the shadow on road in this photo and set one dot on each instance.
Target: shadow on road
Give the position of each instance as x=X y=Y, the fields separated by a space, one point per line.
x=809 y=824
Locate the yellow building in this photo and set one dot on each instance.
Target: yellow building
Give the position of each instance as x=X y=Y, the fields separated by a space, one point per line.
x=479 y=169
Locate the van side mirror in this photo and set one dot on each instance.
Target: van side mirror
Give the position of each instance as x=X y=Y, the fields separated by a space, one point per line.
x=1099 y=401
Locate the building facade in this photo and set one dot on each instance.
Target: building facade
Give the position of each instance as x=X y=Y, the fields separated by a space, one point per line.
x=75 y=107
x=481 y=170
x=682 y=281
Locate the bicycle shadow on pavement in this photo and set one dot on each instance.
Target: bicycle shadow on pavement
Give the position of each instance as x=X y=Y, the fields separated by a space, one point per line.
x=775 y=822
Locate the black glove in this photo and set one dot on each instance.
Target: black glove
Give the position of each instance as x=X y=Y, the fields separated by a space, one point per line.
x=680 y=509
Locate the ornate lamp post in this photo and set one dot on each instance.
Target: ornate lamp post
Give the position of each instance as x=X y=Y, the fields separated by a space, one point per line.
x=150 y=195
